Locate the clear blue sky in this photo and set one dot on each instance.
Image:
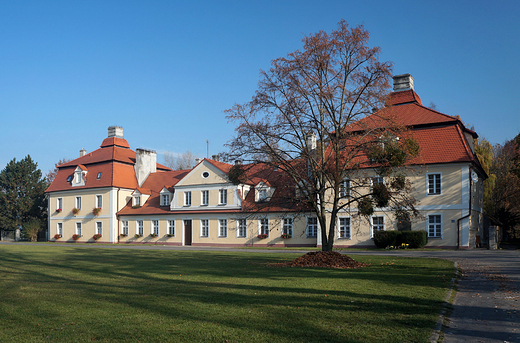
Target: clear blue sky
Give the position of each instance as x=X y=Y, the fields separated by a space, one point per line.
x=166 y=70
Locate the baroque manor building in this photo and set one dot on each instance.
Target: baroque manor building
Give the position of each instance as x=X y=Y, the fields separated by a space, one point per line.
x=116 y=195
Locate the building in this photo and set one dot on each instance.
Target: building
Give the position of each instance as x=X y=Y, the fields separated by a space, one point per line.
x=127 y=197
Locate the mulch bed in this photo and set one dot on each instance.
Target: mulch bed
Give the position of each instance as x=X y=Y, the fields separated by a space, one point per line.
x=322 y=259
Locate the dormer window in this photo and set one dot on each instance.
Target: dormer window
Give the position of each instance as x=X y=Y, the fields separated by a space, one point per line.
x=137 y=201
x=79 y=176
x=165 y=197
x=263 y=192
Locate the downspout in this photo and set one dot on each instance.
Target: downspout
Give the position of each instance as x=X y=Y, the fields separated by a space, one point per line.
x=466 y=216
x=117 y=217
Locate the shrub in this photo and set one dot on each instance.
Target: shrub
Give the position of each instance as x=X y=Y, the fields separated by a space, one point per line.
x=383 y=239
x=416 y=239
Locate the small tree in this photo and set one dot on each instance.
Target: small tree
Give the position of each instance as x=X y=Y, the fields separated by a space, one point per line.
x=186 y=160
x=51 y=174
x=306 y=121
x=31 y=229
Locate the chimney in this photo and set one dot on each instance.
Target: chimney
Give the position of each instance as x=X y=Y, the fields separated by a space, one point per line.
x=215 y=158
x=145 y=163
x=403 y=82
x=82 y=152
x=115 y=131
x=238 y=162
x=197 y=160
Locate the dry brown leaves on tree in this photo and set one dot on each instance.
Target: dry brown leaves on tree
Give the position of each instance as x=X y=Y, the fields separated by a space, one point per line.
x=322 y=259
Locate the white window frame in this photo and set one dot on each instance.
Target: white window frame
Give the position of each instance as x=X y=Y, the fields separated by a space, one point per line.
x=204 y=198
x=78 y=228
x=171 y=227
x=139 y=227
x=59 y=203
x=77 y=202
x=222 y=196
x=437 y=226
x=262 y=195
x=242 y=228
x=124 y=227
x=59 y=228
x=204 y=228
x=222 y=228
x=372 y=225
x=165 y=199
x=99 y=228
x=434 y=184
x=99 y=201
x=187 y=198
x=287 y=226
x=344 y=188
x=344 y=228
x=374 y=178
x=263 y=228
x=154 y=227
x=313 y=227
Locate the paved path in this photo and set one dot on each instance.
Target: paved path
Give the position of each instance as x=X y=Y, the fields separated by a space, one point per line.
x=486 y=307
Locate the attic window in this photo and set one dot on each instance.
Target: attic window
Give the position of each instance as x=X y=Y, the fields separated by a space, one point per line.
x=99 y=175
x=69 y=179
x=205 y=175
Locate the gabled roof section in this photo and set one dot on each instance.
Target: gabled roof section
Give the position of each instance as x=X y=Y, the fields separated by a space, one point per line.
x=219 y=168
x=115 y=141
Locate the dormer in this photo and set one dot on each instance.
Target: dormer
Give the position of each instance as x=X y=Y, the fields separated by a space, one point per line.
x=140 y=196
x=263 y=191
x=80 y=176
x=165 y=197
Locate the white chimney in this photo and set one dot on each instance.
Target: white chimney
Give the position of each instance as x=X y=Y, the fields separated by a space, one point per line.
x=403 y=82
x=145 y=163
x=115 y=131
x=82 y=152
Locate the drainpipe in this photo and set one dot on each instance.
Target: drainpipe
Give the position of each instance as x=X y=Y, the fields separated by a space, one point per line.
x=466 y=216
x=117 y=210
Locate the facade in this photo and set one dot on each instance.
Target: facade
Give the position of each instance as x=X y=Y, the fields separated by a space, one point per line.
x=126 y=197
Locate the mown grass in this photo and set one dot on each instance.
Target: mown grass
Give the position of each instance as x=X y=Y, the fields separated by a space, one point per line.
x=79 y=294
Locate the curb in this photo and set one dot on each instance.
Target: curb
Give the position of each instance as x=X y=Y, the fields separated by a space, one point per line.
x=438 y=328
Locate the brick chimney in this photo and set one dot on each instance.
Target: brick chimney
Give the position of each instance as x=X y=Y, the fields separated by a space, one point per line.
x=115 y=131
x=145 y=163
x=403 y=82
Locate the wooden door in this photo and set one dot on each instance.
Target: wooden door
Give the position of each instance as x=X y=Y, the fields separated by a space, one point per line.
x=187 y=232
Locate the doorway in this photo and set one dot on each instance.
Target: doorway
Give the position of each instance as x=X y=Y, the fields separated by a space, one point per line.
x=187 y=232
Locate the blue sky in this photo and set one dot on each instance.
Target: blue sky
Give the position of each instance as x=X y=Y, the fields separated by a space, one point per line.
x=166 y=70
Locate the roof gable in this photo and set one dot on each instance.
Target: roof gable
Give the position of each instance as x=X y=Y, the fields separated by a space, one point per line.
x=206 y=172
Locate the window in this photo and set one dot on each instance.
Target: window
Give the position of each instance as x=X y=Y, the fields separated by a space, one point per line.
x=137 y=201
x=204 y=198
x=205 y=175
x=69 y=179
x=99 y=175
x=264 y=226
x=378 y=224
x=187 y=198
x=344 y=228
x=124 y=229
x=204 y=227
x=344 y=189
x=59 y=229
x=222 y=227
x=242 y=228
x=171 y=227
x=155 y=227
x=262 y=194
x=140 y=228
x=312 y=227
x=434 y=184
x=99 y=228
x=165 y=200
x=378 y=180
x=59 y=203
x=435 y=226
x=78 y=228
x=78 y=203
x=99 y=201
x=287 y=225
x=223 y=196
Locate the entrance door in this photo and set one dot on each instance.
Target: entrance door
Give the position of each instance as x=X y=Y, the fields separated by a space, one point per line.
x=187 y=232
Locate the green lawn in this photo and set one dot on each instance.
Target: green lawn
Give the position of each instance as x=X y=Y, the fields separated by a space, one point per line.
x=78 y=294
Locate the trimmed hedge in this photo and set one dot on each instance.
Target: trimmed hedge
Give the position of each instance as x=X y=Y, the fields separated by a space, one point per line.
x=414 y=239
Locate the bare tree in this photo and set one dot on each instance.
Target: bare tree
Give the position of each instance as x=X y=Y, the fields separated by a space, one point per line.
x=186 y=160
x=306 y=119
x=51 y=174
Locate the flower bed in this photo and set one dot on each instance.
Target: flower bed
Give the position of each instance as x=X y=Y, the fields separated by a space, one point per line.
x=57 y=236
x=263 y=236
x=76 y=237
x=96 y=236
x=96 y=210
